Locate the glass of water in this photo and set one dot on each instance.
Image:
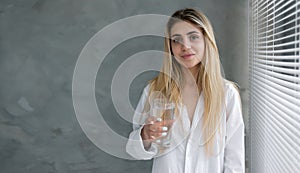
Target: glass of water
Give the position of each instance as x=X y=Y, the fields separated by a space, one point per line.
x=163 y=110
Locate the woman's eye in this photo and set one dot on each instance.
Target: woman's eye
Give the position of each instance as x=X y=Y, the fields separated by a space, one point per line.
x=194 y=37
x=176 y=40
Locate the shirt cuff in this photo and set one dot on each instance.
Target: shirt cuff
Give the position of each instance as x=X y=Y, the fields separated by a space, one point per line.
x=135 y=146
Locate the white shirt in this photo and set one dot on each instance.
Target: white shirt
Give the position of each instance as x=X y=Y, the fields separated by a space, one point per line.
x=187 y=152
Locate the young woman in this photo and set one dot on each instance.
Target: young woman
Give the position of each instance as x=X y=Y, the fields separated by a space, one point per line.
x=208 y=133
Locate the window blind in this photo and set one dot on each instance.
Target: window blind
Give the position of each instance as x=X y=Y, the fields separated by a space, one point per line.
x=274 y=68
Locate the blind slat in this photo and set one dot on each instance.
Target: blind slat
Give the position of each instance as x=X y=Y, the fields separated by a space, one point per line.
x=278 y=63
x=282 y=57
x=283 y=70
x=278 y=51
x=279 y=45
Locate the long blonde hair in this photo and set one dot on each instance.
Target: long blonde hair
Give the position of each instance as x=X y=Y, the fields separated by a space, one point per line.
x=209 y=81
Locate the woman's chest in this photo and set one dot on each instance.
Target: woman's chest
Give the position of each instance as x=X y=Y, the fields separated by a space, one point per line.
x=190 y=99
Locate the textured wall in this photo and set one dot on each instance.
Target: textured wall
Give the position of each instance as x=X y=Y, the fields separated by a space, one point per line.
x=40 y=41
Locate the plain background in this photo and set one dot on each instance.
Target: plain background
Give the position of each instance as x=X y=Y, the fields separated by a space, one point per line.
x=40 y=41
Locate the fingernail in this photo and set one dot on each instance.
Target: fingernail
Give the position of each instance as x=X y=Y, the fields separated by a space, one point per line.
x=159 y=119
x=164 y=128
x=164 y=134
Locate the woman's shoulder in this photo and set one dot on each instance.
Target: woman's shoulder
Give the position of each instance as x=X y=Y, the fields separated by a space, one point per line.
x=147 y=88
x=145 y=91
x=231 y=89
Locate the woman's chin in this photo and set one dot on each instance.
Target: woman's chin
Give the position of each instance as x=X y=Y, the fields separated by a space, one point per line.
x=190 y=65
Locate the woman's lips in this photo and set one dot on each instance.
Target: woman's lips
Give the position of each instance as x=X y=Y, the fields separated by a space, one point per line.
x=187 y=56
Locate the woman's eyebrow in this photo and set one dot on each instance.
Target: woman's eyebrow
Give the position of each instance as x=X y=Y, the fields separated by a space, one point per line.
x=189 y=33
x=175 y=35
x=192 y=32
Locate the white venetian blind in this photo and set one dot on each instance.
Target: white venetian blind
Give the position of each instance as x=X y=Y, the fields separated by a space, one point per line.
x=274 y=29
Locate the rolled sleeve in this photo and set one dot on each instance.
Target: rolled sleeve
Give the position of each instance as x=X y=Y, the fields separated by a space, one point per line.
x=136 y=149
x=135 y=146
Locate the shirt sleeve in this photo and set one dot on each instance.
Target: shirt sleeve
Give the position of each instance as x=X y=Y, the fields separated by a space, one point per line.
x=234 y=156
x=135 y=146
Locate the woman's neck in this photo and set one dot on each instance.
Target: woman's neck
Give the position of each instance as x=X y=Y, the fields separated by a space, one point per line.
x=191 y=75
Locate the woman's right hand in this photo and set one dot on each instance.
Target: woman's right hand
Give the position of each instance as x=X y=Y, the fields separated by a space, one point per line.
x=154 y=129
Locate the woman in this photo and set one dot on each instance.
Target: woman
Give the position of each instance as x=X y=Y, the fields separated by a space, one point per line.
x=208 y=134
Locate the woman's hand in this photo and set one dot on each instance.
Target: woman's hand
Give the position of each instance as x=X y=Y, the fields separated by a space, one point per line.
x=154 y=129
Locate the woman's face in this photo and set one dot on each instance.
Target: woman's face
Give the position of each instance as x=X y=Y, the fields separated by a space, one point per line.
x=187 y=44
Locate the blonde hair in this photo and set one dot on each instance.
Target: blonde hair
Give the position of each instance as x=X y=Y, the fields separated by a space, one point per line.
x=209 y=81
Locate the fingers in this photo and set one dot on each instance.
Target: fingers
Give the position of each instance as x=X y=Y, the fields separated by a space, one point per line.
x=158 y=128
x=155 y=128
x=162 y=126
x=152 y=120
x=157 y=135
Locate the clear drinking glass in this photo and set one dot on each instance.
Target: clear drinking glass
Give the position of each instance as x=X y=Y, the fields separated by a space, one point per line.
x=163 y=110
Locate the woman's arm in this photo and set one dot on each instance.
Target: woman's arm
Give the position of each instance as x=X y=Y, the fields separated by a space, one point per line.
x=234 y=156
x=136 y=146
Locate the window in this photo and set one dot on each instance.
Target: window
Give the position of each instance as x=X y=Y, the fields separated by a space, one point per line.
x=274 y=86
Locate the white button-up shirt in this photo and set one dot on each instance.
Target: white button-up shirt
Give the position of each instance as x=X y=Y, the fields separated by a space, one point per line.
x=187 y=151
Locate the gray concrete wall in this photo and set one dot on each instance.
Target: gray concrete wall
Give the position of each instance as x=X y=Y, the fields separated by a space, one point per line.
x=40 y=41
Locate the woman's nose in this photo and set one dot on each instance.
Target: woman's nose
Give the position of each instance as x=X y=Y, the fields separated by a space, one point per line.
x=186 y=44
